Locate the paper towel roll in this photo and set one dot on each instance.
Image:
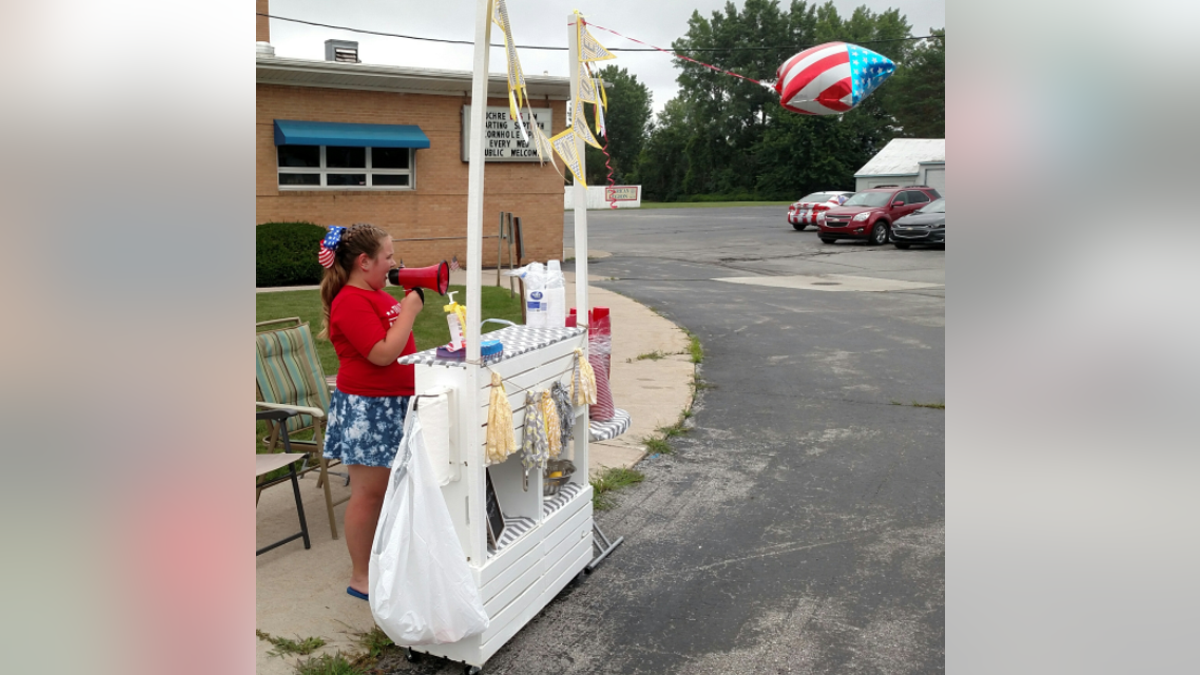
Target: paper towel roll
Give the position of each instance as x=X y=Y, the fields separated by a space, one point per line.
x=433 y=409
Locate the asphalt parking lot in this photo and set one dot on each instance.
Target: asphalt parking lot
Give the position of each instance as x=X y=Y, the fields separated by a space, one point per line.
x=799 y=525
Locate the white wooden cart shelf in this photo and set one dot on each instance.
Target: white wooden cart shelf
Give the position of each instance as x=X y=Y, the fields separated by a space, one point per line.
x=546 y=541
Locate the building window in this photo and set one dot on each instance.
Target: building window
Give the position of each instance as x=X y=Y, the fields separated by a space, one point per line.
x=316 y=167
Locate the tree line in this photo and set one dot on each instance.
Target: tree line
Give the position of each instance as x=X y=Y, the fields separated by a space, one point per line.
x=723 y=137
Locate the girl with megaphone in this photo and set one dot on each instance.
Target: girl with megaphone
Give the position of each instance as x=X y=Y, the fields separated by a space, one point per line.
x=369 y=331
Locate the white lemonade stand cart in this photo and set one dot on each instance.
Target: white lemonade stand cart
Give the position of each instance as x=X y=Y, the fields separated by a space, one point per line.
x=546 y=541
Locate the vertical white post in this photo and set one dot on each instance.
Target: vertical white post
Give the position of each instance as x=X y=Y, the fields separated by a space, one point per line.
x=471 y=431
x=479 y=92
x=581 y=450
x=579 y=193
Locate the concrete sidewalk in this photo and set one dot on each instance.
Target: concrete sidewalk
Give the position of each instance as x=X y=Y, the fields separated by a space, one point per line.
x=302 y=593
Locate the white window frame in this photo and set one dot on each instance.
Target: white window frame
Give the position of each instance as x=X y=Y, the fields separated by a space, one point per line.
x=323 y=170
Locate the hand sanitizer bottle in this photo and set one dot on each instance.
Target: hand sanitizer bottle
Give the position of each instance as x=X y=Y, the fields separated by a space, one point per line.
x=456 y=319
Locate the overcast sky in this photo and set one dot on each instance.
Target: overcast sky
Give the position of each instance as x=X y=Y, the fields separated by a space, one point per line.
x=535 y=22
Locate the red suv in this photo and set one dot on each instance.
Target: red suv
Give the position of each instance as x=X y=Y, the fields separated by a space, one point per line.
x=869 y=214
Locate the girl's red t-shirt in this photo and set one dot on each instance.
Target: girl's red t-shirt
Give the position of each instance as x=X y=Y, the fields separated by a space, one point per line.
x=358 y=320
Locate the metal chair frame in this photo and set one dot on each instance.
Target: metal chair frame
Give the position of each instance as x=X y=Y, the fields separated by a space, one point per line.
x=315 y=447
x=281 y=416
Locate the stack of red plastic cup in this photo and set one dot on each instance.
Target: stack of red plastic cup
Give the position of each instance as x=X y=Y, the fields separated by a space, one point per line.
x=600 y=356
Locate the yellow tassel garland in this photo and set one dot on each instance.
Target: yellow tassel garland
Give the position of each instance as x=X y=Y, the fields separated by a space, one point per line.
x=583 y=382
x=553 y=430
x=500 y=440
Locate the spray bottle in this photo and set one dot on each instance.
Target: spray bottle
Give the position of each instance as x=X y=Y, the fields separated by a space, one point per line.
x=456 y=318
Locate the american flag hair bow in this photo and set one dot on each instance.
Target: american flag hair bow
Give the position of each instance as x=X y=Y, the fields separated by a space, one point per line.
x=329 y=244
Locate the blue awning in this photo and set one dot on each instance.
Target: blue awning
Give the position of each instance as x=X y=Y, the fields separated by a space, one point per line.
x=292 y=132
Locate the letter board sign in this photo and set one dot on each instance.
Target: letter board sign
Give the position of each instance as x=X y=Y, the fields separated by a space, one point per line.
x=502 y=140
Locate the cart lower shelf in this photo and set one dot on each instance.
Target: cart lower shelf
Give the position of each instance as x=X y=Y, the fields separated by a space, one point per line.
x=535 y=560
x=515 y=527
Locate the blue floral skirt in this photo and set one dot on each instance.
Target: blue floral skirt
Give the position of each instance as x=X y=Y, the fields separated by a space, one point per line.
x=365 y=430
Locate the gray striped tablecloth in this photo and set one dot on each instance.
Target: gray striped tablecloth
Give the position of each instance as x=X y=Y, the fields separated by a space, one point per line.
x=516 y=340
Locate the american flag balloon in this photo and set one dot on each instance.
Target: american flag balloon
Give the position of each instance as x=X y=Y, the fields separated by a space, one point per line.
x=831 y=78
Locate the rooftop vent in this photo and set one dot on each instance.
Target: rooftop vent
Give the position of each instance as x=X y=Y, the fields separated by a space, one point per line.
x=344 y=51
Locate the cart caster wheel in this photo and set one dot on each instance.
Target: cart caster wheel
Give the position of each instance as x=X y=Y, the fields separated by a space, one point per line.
x=411 y=656
x=472 y=670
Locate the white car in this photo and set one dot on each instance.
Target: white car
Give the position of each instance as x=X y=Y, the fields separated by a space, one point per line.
x=809 y=208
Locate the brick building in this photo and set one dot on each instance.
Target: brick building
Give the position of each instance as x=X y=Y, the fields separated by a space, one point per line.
x=340 y=142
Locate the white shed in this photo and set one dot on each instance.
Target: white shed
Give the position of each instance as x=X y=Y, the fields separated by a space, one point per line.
x=906 y=161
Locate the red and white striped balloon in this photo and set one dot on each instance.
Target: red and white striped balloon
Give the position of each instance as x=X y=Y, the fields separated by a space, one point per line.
x=831 y=78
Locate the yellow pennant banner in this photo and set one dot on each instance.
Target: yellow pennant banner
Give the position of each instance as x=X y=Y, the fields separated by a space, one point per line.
x=600 y=128
x=516 y=117
x=587 y=86
x=500 y=15
x=542 y=144
x=564 y=145
x=601 y=104
x=516 y=78
x=590 y=48
x=580 y=125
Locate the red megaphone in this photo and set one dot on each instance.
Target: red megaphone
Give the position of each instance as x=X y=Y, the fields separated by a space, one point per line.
x=435 y=277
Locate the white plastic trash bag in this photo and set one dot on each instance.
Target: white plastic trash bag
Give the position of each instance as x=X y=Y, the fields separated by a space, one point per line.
x=422 y=591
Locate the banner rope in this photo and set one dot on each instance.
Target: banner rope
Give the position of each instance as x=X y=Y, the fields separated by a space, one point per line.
x=685 y=58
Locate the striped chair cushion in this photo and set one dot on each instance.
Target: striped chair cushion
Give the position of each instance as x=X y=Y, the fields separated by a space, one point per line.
x=289 y=372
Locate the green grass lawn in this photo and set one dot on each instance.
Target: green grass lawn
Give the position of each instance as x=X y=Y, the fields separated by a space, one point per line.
x=430 y=328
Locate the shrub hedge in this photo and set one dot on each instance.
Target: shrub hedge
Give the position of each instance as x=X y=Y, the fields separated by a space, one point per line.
x=286 y=254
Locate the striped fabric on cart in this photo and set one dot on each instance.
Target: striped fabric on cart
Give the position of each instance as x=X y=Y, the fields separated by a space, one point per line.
x=517 y=340
x=516 y=527
x=565 y=494
x=609 y=429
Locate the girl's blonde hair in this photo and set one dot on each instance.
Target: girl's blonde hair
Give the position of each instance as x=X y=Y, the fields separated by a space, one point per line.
x=357 y=239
